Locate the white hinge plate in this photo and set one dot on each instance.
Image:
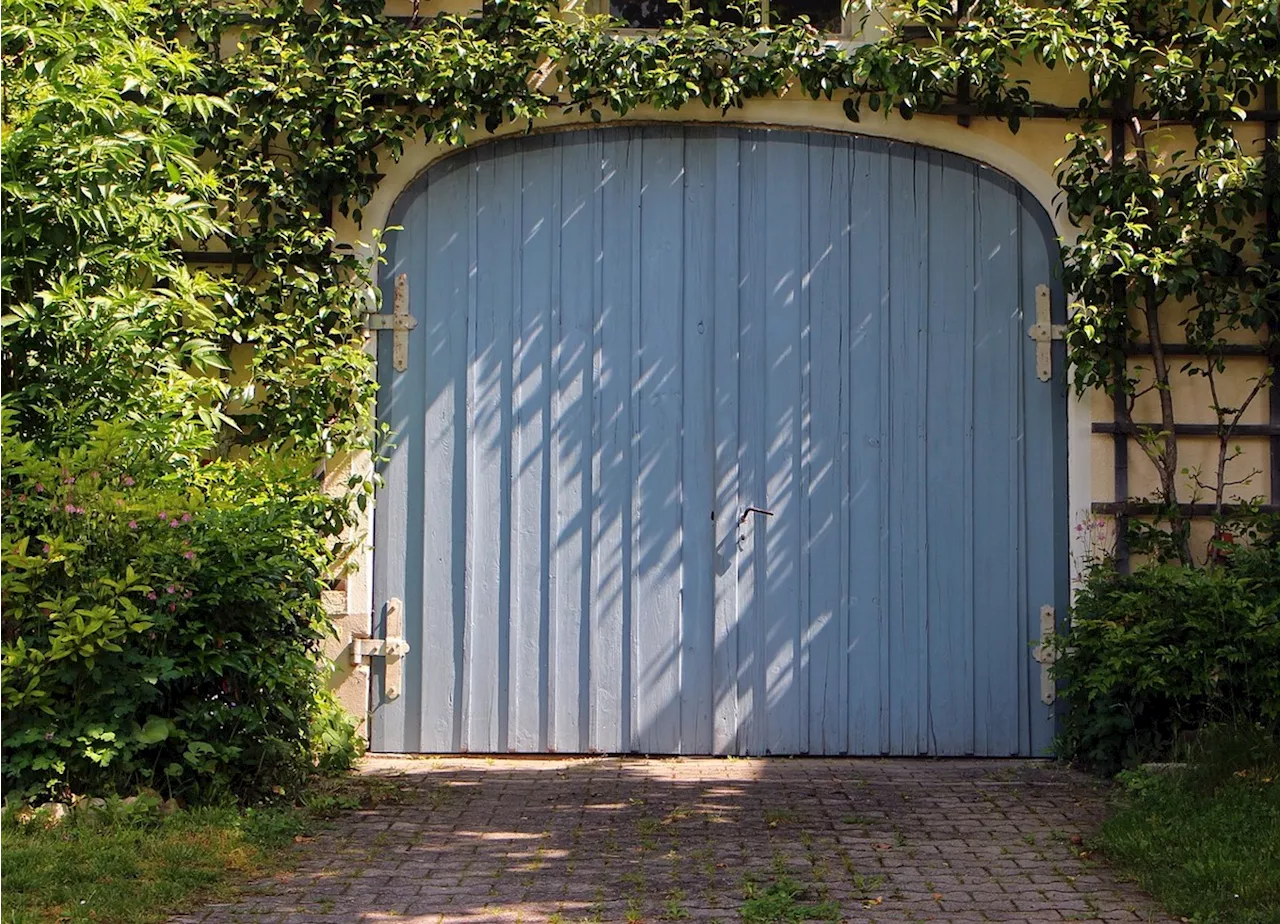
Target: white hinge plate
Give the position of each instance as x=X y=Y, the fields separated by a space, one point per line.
x=1044 y=332
x=399 y=322
x=1045 y=655
x=393 y=649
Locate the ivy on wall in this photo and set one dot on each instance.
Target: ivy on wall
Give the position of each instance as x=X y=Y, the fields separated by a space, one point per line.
x=299 y=119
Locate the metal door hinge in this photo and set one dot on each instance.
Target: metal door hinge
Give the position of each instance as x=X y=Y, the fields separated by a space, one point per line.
x=400 y=322
x=1044 y=332
x=1045 y=655
x=393 y=648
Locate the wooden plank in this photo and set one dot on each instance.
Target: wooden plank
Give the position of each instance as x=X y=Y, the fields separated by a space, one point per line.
x=752 y=702
x=1075 y=114
x=510 y=413
x=549 y=629
x=948 y=468
x=697 y=527
x=908 y=185
x=394 y=724
x=1120 y=479
x=802 y=414
x=1186 y=350
x=1139 y=508
x=1271 y=136
x=579 y=169
x=997 y=338
x=784 y=233
x=631 y=616
x=611 y=440
x=530 y=447
x=1187 y=429
x=443 y=465
x=728 y=502
x=1044 y=507
x=961 y=111
x=826 y=453
x=466 y=587
x=658 y=558
x=866 y=418
x=488 y=382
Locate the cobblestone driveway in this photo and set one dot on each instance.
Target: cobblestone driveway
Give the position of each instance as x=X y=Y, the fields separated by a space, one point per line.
x=727 y=840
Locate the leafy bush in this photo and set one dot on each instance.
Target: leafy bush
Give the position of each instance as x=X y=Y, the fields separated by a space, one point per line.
x=161 y=619
x=101 y=181
x=161 y=583
x=1166 y=651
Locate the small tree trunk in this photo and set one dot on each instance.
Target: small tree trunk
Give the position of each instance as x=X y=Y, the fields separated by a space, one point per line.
x=1166 y=459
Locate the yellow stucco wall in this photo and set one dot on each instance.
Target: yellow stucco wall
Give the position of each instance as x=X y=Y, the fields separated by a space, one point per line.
x=1029 y=158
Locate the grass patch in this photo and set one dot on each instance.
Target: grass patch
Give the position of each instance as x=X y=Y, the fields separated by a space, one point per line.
x=784 y=900
x=129 y=872
x=114 y=868
x=1205 y=841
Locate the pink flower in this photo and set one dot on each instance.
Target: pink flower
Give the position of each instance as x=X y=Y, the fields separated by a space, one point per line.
x=46 y=548
x=70 y=508
x=39 y=487
x=133 y=524
x=171 y=589
x=127 y=481
x=152 y=595
x=189 y=555
x=172 y=607
x=186 y=518
x=174 y=524
x=22 y=498
x=70 y=479
x=162 y=515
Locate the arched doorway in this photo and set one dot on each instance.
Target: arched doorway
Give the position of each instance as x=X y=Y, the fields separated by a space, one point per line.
x=720 y=440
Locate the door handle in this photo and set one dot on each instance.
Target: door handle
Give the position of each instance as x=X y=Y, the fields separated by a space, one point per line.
x=750 y=510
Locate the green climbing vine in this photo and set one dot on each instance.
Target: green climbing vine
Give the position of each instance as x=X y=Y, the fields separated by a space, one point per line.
x=1172 y=224
x=308 y=101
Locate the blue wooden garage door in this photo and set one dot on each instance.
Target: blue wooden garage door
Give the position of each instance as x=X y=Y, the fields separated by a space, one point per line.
x=627 y=339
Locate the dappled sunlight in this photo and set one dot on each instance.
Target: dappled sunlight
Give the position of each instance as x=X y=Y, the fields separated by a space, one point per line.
x=642 y=334
x=614 y=840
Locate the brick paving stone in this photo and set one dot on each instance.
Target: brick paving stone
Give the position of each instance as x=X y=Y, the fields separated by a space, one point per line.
x=622 y=839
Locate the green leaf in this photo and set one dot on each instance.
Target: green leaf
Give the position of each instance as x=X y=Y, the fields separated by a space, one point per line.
x=155 y=730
